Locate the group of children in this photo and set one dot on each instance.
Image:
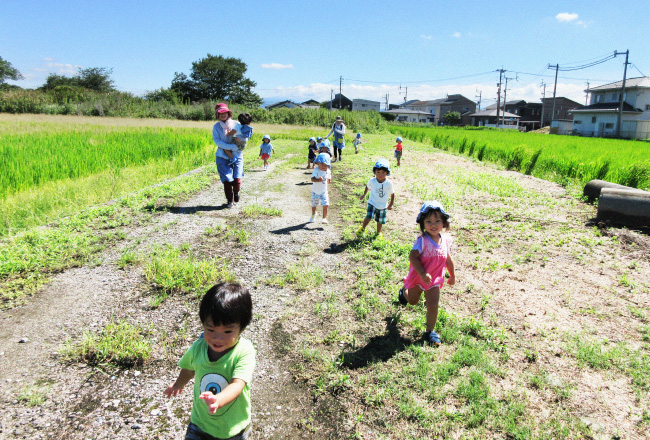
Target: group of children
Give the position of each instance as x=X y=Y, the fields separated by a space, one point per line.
x=221 y=362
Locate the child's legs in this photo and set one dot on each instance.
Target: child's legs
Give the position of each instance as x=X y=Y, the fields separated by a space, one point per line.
x=324 y=211
x=236 y=185
x=365 y=223
x=313 y=211
x=432 y=297
x=379 y=227
x=340 y=152
x=413 y=294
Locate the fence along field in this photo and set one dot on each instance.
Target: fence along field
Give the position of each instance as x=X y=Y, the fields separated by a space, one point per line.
x=555 y=158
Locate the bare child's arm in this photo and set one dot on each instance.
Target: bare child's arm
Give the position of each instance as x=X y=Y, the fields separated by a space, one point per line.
x=450 y=267
x=177 y=387
x=228 y=153
x=392 y=199
x=227 y=395
x=414 y=259
x=364 y=194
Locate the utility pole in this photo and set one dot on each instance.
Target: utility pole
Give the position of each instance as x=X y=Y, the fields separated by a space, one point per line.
x=505 y=91
x=406 y=92
x=386 y=99
x=501 y=72
x=557 y=67
x=331 y=98
x=541 y=124
x=340 y=93
x=479 y=98
x=587 y=94
x=619 y=120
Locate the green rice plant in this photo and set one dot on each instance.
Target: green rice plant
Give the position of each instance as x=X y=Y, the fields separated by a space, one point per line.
x=119 y=343
x=546 y=156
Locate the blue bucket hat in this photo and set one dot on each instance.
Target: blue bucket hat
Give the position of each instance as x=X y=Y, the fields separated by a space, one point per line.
x=358 y=135
x=326 y=142
x=319 y=139
x=399 y=139
x=312 y=139
x=266 y=136
x=323 y=158
x=430 y=206
x=382 y=163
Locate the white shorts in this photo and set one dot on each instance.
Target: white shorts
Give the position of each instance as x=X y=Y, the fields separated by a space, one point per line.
x=319 y=199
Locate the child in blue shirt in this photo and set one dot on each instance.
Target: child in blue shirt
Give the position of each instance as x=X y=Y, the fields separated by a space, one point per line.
x=266 y=150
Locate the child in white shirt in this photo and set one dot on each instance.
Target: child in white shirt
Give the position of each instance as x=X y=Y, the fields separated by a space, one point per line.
x=320 y=177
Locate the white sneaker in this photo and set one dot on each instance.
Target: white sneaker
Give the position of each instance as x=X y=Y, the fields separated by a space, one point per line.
x=324 y=221
x=311 y=219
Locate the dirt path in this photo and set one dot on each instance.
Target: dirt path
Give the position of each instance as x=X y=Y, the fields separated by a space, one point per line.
x=84 y=402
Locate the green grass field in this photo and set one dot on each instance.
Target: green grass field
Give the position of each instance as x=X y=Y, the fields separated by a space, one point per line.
x=550 y=157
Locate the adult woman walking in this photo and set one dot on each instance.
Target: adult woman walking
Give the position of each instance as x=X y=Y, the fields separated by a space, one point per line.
x=230 y=171
x=338 y=128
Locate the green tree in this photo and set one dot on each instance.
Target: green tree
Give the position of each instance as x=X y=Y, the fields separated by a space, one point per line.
x=451 y=118
x=97 y=79
x=7 y=71
x=217 y=78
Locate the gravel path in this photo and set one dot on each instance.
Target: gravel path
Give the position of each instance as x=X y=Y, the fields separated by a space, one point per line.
x=85 y=402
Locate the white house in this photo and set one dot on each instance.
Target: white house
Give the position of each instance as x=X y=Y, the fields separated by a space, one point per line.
x=600 y=117
x=364 y=105
x=408 y=115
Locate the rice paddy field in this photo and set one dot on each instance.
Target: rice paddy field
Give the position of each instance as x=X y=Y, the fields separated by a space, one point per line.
x=550 y=157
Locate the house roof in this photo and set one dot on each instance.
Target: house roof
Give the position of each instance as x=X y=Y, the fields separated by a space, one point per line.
x=282 y=103
x=606 y=107
x=642 y=81
x=513 y=102
x=493 y=112
x=406 y=111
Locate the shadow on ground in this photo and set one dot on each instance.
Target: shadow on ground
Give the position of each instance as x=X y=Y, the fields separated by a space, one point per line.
x=378 y=349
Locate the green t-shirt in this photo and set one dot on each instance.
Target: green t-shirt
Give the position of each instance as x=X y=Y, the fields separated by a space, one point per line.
x=215 y=376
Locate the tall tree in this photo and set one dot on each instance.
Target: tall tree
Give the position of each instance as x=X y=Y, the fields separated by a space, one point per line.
x=97 y=79
x=215 y=78
x=7 y=71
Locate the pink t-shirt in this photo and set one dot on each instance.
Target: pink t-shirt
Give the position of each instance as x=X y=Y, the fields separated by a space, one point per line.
x=433 y=258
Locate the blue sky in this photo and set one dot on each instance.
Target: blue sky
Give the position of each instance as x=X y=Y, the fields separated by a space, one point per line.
x=300 y=49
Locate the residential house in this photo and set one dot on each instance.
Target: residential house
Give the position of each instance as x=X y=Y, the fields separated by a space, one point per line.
x=408 y=115
x=530 y=113
x=563 y=107
x=311 y=103
x=600 y=117
x=364 y=105
x=488 y=118
x=437 y=108
x=340 y=102
x=283 y=104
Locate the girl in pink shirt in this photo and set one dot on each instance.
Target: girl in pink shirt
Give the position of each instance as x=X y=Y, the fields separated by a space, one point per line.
x=429 y=258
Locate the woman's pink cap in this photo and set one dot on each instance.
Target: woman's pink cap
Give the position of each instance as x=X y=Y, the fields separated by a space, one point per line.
x=222 y=108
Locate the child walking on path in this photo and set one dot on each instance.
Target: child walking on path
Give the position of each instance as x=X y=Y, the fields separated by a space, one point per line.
x=320 y=178
x=356 y=143
x=338 y=129
x=313 y=151
x=429 y=258
x=398 y=150
x=222 y=364
x=381 y=197
x=266 y=150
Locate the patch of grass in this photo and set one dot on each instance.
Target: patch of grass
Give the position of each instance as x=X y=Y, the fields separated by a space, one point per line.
x=257 y=211
x=34 y=394
x=301 y=276
x=171 y=270
x=120 y=344
x=242 y=236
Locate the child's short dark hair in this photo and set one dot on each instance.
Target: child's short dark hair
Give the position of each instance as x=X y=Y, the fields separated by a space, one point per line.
x=245 y=118
x=227 y=303
x=444 y=217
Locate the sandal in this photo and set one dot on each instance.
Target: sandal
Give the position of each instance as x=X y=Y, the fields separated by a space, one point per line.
x=432 y=338
x=401 y=298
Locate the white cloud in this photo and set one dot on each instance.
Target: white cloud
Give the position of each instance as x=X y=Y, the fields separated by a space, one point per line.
x=566 y=17
x=277 y=66
x=426 y=37
x=456 y=35
x=63 y=69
